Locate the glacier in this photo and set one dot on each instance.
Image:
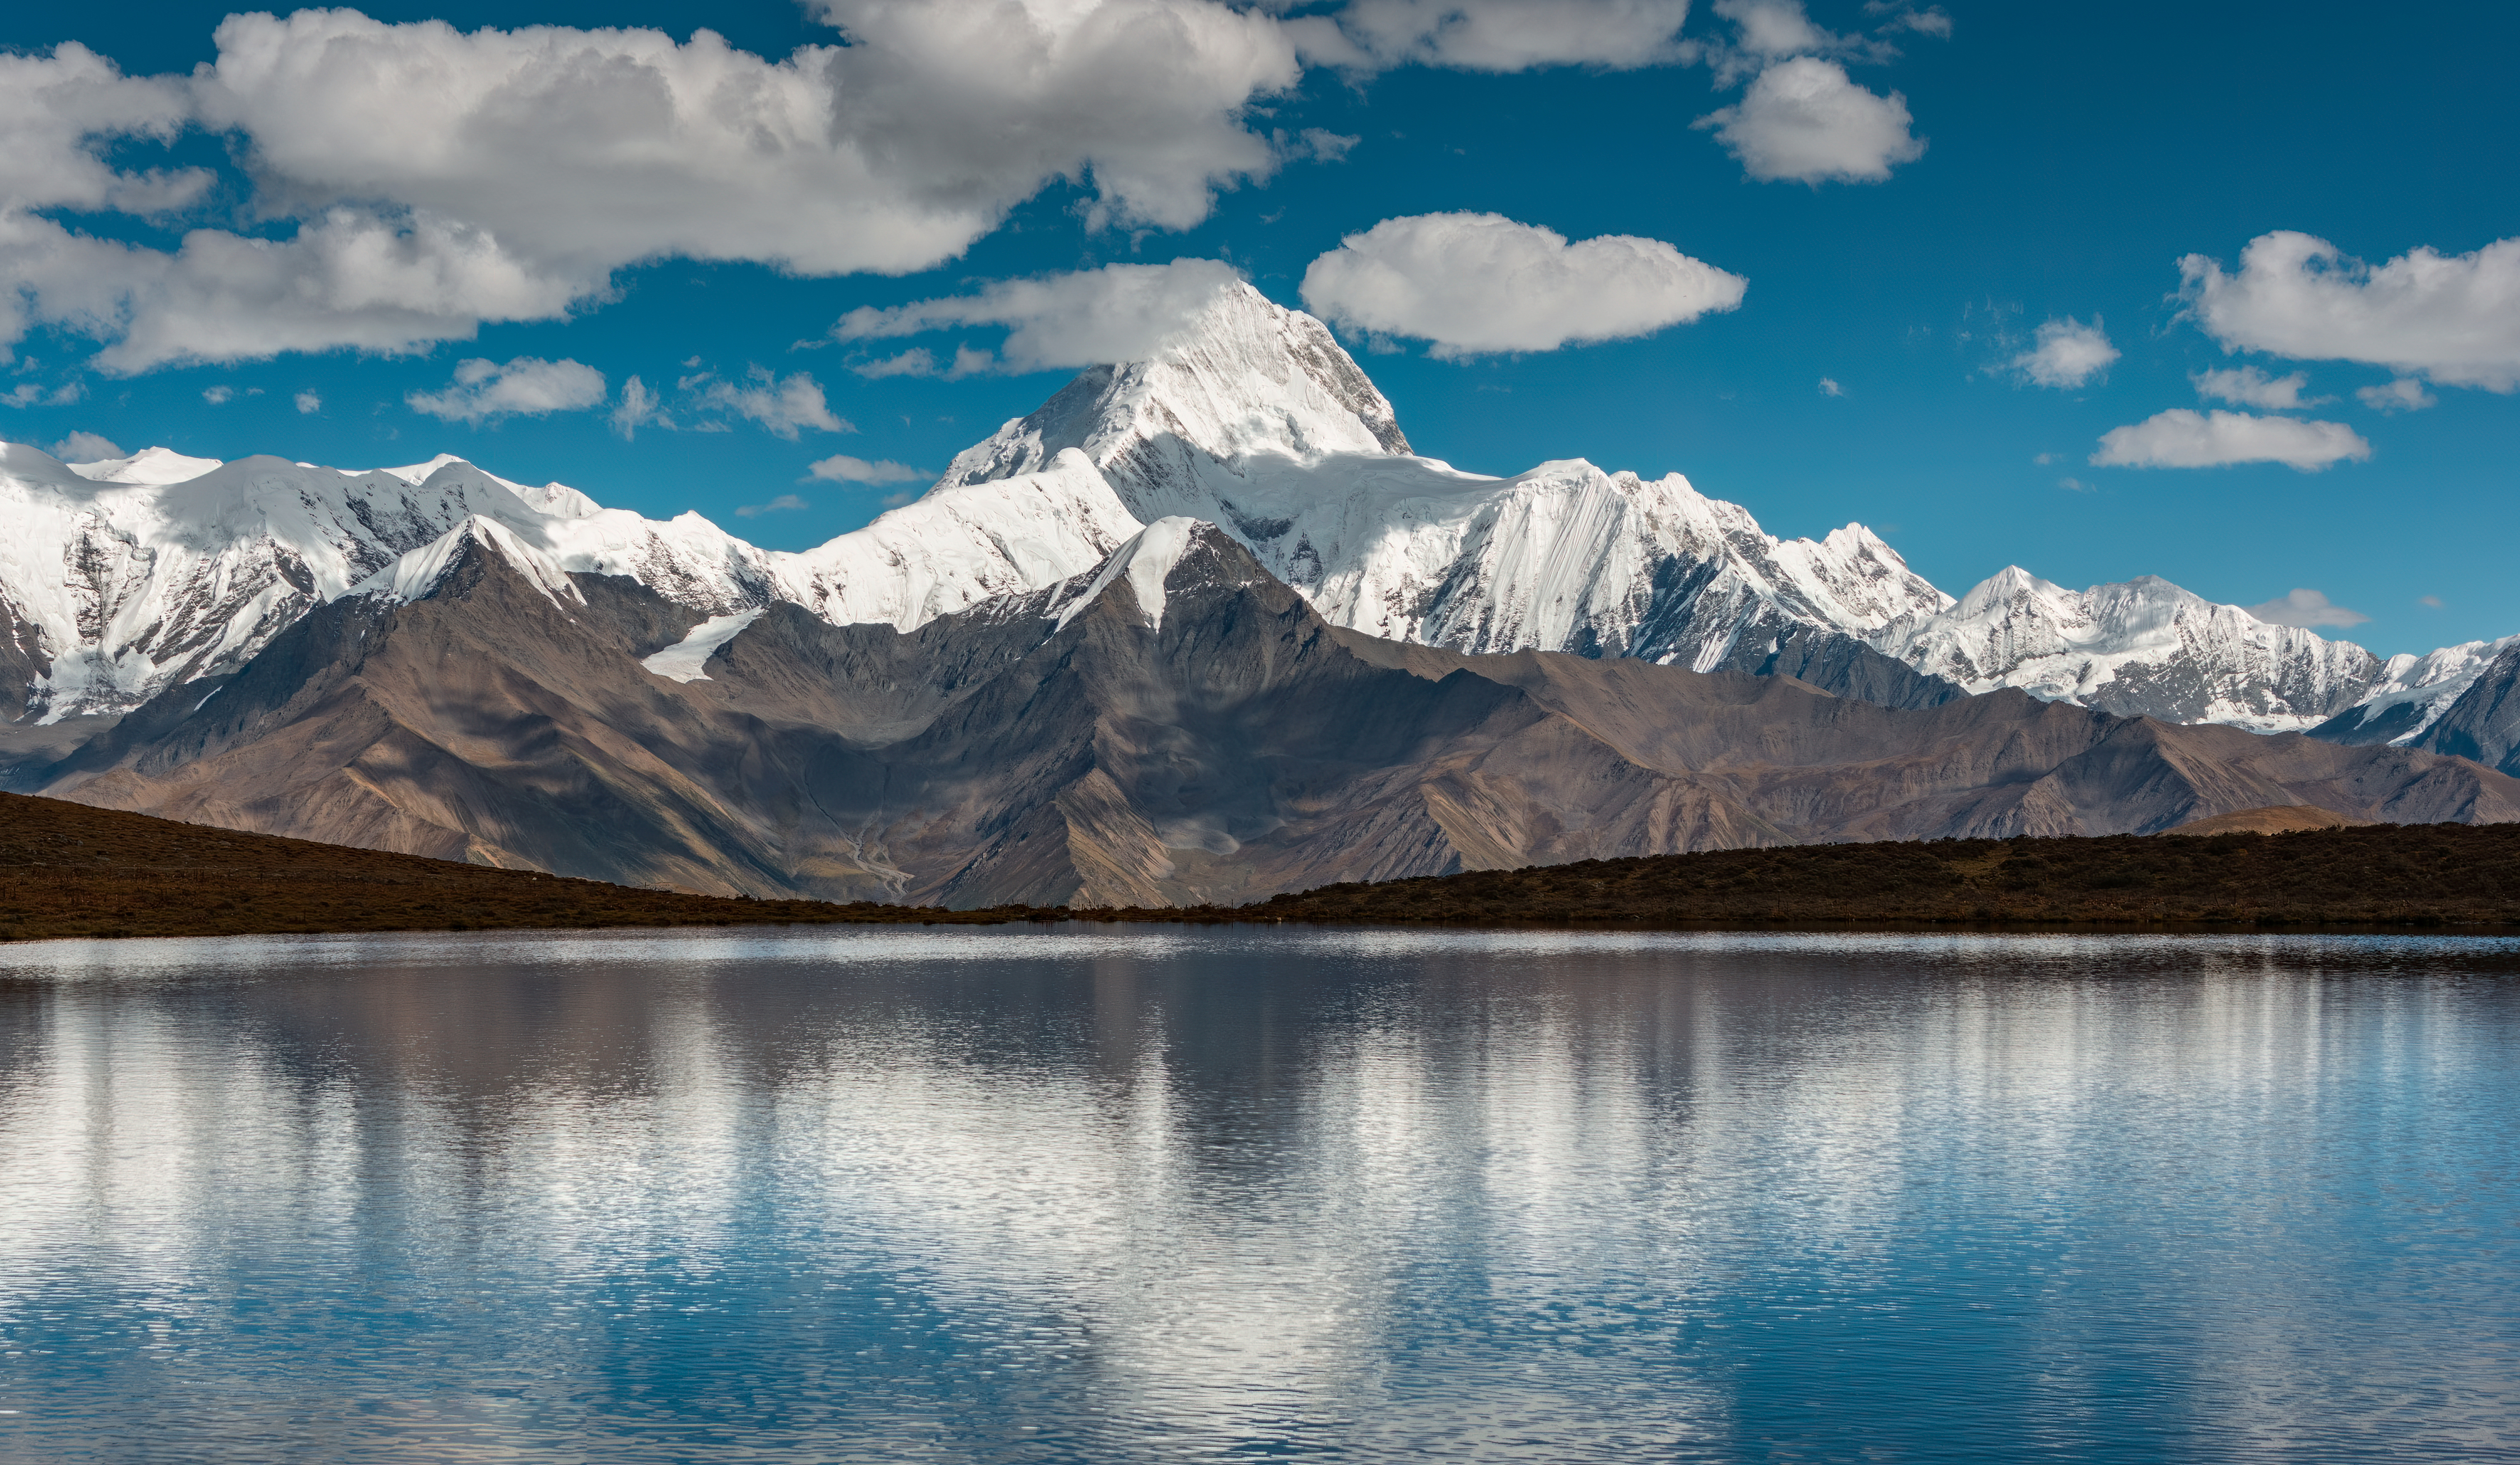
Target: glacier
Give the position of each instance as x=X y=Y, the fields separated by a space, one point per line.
x=122 y=578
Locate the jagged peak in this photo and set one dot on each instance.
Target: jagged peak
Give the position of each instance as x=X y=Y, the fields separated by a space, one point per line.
x=416 y=575
x=1147 y=561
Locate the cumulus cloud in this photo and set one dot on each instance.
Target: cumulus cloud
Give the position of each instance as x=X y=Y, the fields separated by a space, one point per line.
x=2068 y=354
x=2183 y=439
x=1806 y=121
x=1475 y=283
x=782 y=405
x=2248 y=386
x=55 y=113
x=1498 y=35
x=309 y=403
x=1829 y=387
x=1120 y=312
x=86 y=447
x=2406 y=394
x=778 y=505
x=842 y=468
x=2452 y=319
x=218 y=396
x=552 y=156
x=528 y=387
x=2307 y=609
x=348 y=278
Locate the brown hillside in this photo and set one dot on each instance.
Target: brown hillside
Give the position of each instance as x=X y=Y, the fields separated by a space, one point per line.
x=67 y=870
x=2275 y=818
x=2391 y=875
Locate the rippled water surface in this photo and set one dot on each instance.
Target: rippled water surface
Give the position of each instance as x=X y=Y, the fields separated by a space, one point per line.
x=1167 y=1195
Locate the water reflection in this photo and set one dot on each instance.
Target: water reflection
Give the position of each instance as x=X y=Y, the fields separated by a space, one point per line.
x=1156 y=1195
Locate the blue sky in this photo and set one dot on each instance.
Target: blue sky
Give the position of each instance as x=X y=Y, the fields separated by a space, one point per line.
x=2071 y=158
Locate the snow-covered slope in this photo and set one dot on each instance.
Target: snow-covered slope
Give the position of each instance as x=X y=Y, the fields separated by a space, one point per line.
x=2412 y=694
x=962 y=544
x=132 y=574
x=2144 y=647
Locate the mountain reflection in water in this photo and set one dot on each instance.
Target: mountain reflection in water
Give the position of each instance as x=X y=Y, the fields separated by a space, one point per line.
x=1153 y=1195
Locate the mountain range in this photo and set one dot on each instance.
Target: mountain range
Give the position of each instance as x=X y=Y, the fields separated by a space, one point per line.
x=1200 y=629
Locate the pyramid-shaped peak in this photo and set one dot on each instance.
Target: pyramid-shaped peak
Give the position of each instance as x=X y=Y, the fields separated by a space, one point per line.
x=1242 y=378
x=418 y=574
x=1148 y=563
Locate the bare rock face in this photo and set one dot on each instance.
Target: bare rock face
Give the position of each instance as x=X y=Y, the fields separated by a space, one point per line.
x=1173 y=726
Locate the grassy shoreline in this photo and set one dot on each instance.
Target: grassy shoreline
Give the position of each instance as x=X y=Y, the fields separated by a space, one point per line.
x=70 y=871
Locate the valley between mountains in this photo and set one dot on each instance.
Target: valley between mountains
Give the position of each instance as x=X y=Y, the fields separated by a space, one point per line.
x=1200 y=631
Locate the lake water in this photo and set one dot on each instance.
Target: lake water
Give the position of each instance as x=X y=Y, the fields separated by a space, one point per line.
x=1174 y=1194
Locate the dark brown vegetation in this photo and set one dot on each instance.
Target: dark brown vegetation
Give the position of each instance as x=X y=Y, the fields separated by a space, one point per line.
x=2465 y=876
x=67 y=870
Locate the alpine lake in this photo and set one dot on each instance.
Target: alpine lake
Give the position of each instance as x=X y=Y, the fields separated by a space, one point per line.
x=1170 y=1193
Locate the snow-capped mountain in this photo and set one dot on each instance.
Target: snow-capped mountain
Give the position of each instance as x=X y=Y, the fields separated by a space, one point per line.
x=1254 y=419
x=2144 y=647
x=2412 y=694
x=122 y=577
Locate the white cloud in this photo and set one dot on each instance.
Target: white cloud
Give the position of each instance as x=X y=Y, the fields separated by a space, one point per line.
x=2247 y=386
x=528 y=387
x=2077 y=486
x=2406 y=394
x=842 y=468
x=55 y=113
x=1930 y=21
x=348 y=278
x=2069 y=353
x=1475 y=283
x=441 y=179
x=2183 y=439
x=2433 y=602
x=778 y=504
x=86 y=447
x=1500 y=36
x=218 y=396
x=309 y=403
x=2453 y=319
x=1804 y=120
x=1829 y=387
x=29 y=394
x=639 y=409
x=1120 y=312
x=2306 y=609
x=1325 y=144
x=784 y=405
x=918 y=361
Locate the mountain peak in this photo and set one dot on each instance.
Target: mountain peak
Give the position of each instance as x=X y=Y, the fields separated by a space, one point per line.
x=148 y=466
x=1245 y=378
x=1147 y=561
x=418 y=574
